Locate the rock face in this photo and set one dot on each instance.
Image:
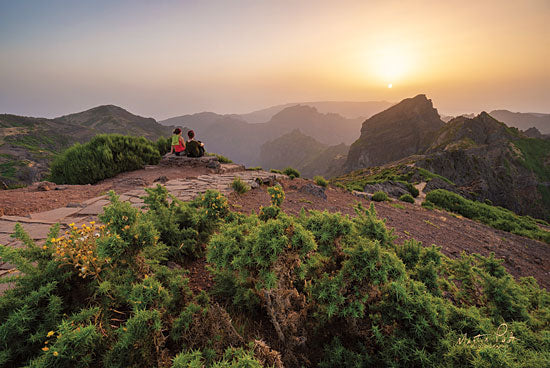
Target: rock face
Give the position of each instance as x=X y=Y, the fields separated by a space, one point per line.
x=405 y=129
x=391 y=188
x=314 y=190
x=479 y=155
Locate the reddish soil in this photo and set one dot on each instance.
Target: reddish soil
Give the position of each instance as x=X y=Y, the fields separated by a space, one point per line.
x=23 y=201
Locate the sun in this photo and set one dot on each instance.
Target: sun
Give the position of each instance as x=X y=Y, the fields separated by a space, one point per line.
x=389 y=63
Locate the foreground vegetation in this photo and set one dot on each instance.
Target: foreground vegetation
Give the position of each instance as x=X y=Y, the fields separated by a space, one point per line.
x=318 y=289
x=497 y=217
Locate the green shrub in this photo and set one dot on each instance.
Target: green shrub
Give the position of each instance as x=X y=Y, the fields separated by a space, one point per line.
x=413 y=190
x=319 y=180
x=164 y=145
x=291 y=172
x=380 y=196
x=221 y=159
x=497 y=217
x=275 y=171
x=239 y=186
x=277 y=195
x=255 y=168
x=104 y=156
x=428 y=205
x=406 y=198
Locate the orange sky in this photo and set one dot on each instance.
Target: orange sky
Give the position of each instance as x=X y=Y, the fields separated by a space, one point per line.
x=167 y=58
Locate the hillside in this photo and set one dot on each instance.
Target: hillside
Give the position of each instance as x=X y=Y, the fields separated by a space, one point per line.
x=27 y=145
x=242 y=141
x=482 y=157
x=239 y=280
x=304 y=153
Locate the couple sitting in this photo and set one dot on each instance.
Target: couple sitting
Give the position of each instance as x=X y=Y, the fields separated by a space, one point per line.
x=192 y=148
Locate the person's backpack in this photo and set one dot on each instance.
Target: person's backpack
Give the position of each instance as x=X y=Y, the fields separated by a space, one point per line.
x=194 y=149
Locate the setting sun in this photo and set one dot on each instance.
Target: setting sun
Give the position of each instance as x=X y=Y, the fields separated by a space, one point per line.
x=390 y=85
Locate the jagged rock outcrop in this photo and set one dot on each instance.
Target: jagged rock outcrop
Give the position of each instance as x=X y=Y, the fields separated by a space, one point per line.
x=405 y=129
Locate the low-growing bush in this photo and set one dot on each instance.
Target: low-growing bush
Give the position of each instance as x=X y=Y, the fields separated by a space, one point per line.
x=497 y=217
x=407 y=198
x=254 y=168
x=104 y=156
x=275 y=171
x=291 y=172
x=221 y=158
x=379 y=196
x=319 y=180
x=164 y=144
x=428 y=205
x=240 y=186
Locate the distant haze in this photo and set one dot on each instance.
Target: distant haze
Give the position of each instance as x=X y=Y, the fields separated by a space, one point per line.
x=168 y=58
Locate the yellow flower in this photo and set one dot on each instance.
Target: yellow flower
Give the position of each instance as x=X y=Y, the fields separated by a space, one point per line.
x=50 y=334
x=55 y=353
x=45 y=348
x=71 y=224
x=92 y=222
x=45 y=247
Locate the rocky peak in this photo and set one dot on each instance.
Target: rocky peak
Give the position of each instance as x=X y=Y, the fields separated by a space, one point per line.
x=404 y=129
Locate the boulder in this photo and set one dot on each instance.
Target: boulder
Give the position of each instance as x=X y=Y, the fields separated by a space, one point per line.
x=161 y=179
x=391 y=188
x=314 y=190
x=45 y=186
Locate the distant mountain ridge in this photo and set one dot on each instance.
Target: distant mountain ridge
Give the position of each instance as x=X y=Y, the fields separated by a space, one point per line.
x=241 y=141
x=347 y=109
x=304 y=153
x=523 y=121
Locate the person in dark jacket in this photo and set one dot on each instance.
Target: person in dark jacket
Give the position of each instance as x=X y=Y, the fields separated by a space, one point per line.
x=194 y=148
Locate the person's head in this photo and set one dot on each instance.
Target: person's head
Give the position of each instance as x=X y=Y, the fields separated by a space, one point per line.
x=177 y=131
x=191 y=134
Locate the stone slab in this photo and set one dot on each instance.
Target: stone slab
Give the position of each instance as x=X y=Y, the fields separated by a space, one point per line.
x=55 y=215
x=37 y=231
x=93 y=200
x=95 y=208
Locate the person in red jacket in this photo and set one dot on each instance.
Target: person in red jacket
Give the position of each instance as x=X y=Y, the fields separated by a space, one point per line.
x=178 y=143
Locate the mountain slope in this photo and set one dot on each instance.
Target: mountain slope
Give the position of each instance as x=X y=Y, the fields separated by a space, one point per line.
x=404 y=129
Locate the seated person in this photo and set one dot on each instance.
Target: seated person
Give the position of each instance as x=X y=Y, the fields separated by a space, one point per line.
x=194 y=148
x=178 y=143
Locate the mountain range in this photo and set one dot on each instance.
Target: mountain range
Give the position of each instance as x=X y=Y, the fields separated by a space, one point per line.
x=480 y=157
x=234 y=137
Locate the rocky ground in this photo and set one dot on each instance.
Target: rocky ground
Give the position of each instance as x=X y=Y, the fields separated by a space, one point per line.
x=37 y=210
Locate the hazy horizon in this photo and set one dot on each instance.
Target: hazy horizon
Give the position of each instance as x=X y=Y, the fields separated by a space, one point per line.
x=163 y=59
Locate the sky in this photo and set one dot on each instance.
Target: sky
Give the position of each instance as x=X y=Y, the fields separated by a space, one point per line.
x=166 y=58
